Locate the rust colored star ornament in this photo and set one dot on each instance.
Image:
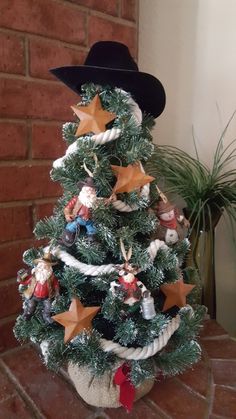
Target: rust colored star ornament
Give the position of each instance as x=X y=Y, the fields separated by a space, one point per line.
x=176 y=294
x=93 y=118
x=129 y=178
x=76 y=319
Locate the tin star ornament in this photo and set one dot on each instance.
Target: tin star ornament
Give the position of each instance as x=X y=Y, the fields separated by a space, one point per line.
x=93 y=118
x=76 y=319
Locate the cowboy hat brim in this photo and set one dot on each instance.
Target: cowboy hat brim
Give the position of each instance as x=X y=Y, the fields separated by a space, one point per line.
x=146 y=89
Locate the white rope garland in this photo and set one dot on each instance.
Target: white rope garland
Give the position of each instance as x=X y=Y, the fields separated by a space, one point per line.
x=91 y=270
x=94 y=270
x=143 y=352
x=106 y=136
x=155 y=246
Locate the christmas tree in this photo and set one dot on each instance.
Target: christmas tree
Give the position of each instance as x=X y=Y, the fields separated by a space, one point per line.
x=107 y=295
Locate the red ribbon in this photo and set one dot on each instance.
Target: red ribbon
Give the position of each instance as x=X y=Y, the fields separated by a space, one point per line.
x=127 y=389
x=172 y=224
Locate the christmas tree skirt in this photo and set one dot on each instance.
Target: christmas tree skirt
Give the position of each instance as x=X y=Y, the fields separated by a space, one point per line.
x=101 y=391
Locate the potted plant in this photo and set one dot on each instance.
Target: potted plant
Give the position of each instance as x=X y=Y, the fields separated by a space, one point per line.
x=208 y=193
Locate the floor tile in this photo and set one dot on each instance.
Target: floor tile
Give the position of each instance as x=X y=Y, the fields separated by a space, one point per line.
x=212 y=328
x=220 y=348
x=177 y=401
x=224 y=402
x=6 y=387
x=15 y=408
x=224 y=372
x=53 y=396
x=197 y=378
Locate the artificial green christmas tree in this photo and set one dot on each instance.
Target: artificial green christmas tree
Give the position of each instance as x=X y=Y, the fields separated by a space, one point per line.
x=120 y=315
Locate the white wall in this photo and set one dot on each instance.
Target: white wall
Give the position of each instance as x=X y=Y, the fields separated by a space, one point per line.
x=190 y=45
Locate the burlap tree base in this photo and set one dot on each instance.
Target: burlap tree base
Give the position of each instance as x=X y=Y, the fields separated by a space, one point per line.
x=101 y=391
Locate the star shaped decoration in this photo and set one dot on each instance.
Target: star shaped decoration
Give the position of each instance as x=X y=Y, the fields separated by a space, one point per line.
x=129 y=178
x=76 y=319
x=93 y=118
x=176 y=293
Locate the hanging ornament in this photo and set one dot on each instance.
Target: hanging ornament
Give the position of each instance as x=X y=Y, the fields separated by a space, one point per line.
x=172 y=226
x=147 y=306
x=76 y=319
x=93 y=118
x=129 y=178
x=176 y=294
x=131 y=287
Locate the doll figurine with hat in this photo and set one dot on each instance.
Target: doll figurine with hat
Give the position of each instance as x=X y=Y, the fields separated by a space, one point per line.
x=172 y=226
x=78 y=212
x=42 y=287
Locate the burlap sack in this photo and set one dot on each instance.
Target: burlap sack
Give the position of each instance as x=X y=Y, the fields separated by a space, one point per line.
x=100 y=391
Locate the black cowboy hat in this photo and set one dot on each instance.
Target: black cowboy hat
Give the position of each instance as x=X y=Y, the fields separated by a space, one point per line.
x=110 y=63
x=87 y=182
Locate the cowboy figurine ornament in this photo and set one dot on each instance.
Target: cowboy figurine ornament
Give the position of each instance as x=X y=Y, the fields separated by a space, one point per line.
x=78 y=212
x=172 y=226
x=41 y=287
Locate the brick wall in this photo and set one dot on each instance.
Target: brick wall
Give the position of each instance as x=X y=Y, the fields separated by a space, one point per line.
x=34 y=36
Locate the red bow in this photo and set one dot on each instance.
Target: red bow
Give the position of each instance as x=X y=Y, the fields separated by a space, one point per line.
x=128 y=285
x=127 y=389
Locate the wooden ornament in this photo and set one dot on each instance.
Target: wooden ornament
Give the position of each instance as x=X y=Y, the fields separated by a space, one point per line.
x=76 y=319
x=176 y=294
x=93 y=118
x=129 y=178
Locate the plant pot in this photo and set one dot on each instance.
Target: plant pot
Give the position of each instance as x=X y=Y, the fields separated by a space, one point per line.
x=101 y=391
x=202 y=254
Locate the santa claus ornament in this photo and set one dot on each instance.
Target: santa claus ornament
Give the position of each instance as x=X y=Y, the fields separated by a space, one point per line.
x=41 y=287
x=78 y=213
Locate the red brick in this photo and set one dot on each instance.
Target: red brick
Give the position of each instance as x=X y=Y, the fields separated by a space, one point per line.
x=15 y=407
x=106 y=6
x=44 y=17
x=52 y=395
x=8 y=339
x=27 y=182
x=11 y=302
x=26 y=99
x=11 y=54
x=102 y=29
x=177 y=401
x=220 y=348
x=128 y=9
x=18 y=221
x=212 y=329
x=140 y=411
x=6 y=387
x=224 y=402
x=47 y=142
x=13 y=140
x=48 y=54
x=11 y=258
x=224 y=372
x=197 y=378
x=44 y=210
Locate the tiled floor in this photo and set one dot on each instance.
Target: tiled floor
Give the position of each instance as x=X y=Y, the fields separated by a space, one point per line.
x=28 y=390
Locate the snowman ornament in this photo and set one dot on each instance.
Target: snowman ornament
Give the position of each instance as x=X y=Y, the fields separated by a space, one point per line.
x=172 y=226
